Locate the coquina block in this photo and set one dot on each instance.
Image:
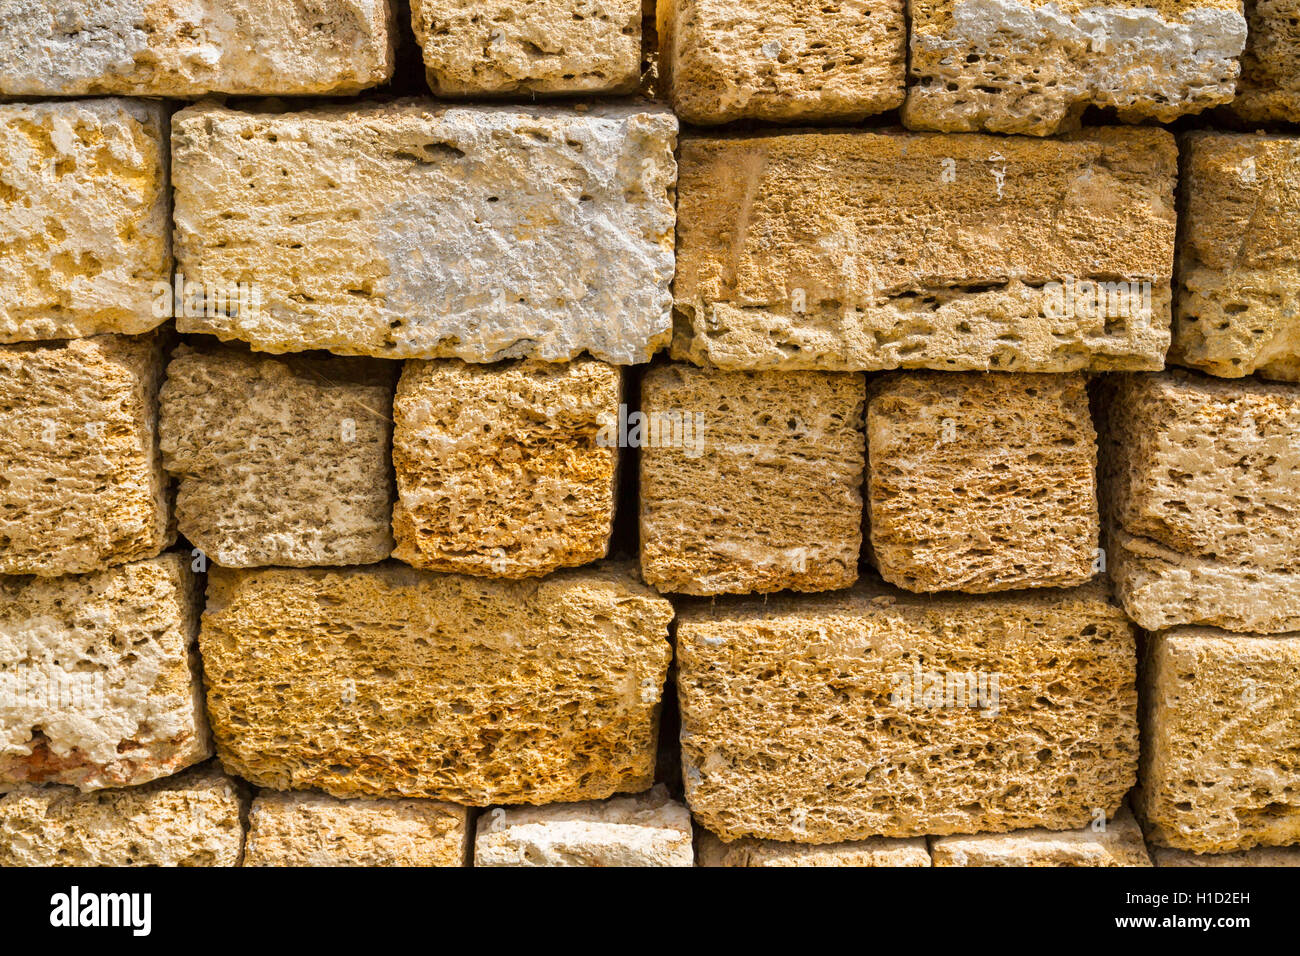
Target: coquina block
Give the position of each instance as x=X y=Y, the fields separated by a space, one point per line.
x=1259 y=856
x=1118 y=843
x=819 y=251
x=83 y=482
x=505 y=470
x=873 y=712
x=387 y=681
x=280 y=461
x=1237 y=308
x=1203 y=524
x=782 y=60
x=1029 y=66
x=99 y=680
x=83 y=213
x=1269 y=88
x=409 y=230
x=495 y=47
x=313 y=829
x=876 y=851
x=750 y=481
x=982 y=482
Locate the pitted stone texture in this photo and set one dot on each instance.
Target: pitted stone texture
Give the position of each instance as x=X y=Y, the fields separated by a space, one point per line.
x=1269 y=88
x=280 y=461
x=1220 y=740
x=782 y=60
x=84 y=224
x=1260 y=856
x=99 y=679
x=190 y=819
x=982 y=482
x=1119 y=844
x=876 y=851
x=165 y=48
x=859 y=251
x=505 y=470
x=313 y=829
x=1029 y=66
x=805 y=718
x=411 y=230
x=505 y=47
x=648 y=829
x=83 y=481
x=1237 y=308
x=750 y=481
x=387 y=681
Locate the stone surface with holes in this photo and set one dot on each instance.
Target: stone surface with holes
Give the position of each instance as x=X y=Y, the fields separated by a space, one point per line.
x=1259 y=856
x=1269 y=88
x=1118 y=843
x=875 y=851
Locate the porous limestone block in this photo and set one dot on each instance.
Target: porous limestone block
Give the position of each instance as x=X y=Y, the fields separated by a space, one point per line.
x=750 y=481
x=1220 y=740
x=1034 y=66
x=648 y=829
x=1237 y=304
x=314 y=829
x=84 y=216
x=1259 y=856
x=1201 y=480
x=860 y=251
x=875 y=851
x=99 y=679
x=83 y=481
x=505 y=470
x=416 y=230
x=280 y=461
x=507 y=47
x=388 y=681
x=982 y=482
x=1119 y=844
x=164 y=48
x=782 y=60
x=1269 y=87
x=190 y=819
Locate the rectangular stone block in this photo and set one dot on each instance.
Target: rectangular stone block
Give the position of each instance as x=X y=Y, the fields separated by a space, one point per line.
x=1269 y=87
x=499 y=48
x=84 y=215
x=83 y=481
x=1220 y=740
x=280 y=461
x=1237 y=308
x=99 y=679
x=782 y=60
x=505 y=470
x=750 y=481
x=412 y=230
x=880 y=250
x=387 y=681
x=876 y=851
x=982 y=482
x=313 y=829
x=1260 y=856
x=1119 y=844
x=153 y=48
x=873 y=712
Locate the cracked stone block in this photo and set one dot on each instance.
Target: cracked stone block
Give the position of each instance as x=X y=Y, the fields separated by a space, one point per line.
x=1259 y=856
x=875 y=851
x=1026 y=66
x=1220 y=740
x=84 y=216
x=750 y=481
x=861 y=251
x=99 y=678
x=83 y=484
x=391 y=682
x=280 y=461
x=873 y=712
x=782 y=60
x=982 y=482
x=1118 y=844
x=416 y=230
x=505 y=470
x=1269 y=87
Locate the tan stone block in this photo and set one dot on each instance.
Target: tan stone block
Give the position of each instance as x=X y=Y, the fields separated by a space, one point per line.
x=83 y=482
x=880 y=250
x=1119 y=844
x=1269 y=88
x=387 y=681
x=505 y=470
x=85 y=233
x=982 y=482
x=873 y=712
x=876 y=851
x=782 y=60
x=1260 y=856
x=280 y=461
x=750 y=481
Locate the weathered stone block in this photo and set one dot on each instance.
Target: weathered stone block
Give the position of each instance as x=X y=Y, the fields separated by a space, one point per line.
x=876 y=851
x=411 y=230
x=1260 y=856
x=1119 y=844
x=1269 y=87
x=750 y=481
